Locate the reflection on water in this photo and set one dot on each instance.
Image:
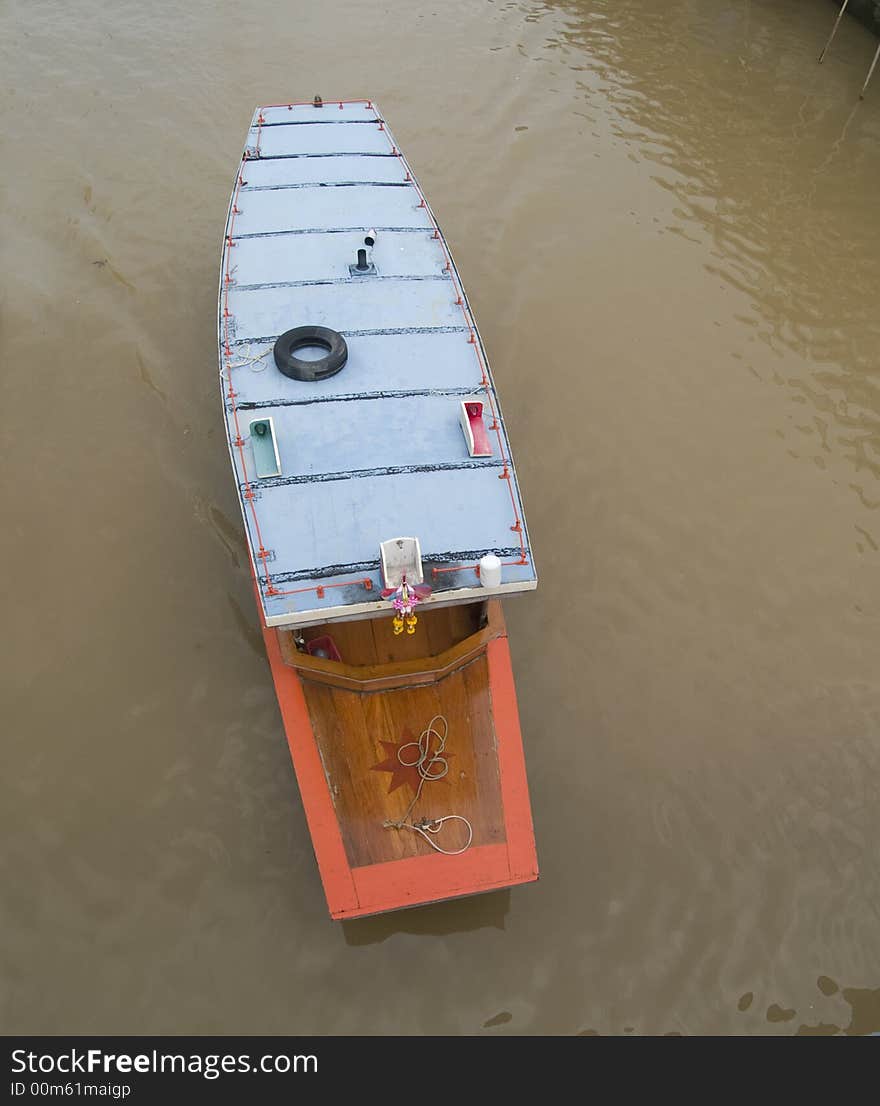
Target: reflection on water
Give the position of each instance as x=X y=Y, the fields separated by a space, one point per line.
x=665 y=215
x=776 y=180
x=457 y=916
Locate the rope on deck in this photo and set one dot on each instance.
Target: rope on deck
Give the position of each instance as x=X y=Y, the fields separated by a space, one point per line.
x=430 y=766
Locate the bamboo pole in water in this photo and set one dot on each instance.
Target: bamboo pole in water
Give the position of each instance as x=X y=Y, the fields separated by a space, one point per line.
x=834 y=31
x=870 y=73
x=830 y=39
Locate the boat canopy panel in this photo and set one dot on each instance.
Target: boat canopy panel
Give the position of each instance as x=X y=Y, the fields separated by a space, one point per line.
x=324 y=172
x=261 y=261
x=282 y=210
x=351 y=137
x=354 y=305
x=375 y=451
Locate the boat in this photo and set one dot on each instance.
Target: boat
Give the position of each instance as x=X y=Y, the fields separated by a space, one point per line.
x=382 y=512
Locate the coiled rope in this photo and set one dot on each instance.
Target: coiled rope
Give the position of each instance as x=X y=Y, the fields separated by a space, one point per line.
x=430 y=766
x=248 y=359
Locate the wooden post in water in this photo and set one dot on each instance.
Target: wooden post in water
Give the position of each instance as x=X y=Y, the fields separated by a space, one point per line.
x=834 y=31
x=870 y=73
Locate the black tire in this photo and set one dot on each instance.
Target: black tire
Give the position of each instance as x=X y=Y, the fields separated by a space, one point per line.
x=324 y=367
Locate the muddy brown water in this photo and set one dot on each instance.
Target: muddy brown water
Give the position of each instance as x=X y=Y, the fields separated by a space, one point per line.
x=666 y=218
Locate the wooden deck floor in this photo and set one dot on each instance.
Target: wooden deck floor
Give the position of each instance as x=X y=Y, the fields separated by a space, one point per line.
x=356 y=732
x=372 y=641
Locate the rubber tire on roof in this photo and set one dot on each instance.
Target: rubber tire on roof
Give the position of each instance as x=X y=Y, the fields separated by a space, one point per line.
x=300 y=336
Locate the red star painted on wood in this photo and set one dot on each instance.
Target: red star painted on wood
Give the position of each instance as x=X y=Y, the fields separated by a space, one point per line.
x=402 y=773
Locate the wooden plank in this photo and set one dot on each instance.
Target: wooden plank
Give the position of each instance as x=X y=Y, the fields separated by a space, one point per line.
x=451 y=625
x=391 y=648
x=350 y=729
x=421 y=670
x=369 y=642
x=478 y=702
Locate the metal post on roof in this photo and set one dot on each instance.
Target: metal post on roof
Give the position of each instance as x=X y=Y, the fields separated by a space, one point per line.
x=870 y=73
x=833 y=30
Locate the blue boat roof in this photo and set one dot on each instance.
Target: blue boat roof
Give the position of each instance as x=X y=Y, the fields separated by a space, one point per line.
x=377 y=451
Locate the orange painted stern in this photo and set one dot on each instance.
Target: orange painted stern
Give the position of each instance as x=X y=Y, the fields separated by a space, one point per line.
x=365 y=867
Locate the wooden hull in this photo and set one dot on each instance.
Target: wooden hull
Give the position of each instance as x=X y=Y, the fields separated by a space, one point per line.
x=344 y=723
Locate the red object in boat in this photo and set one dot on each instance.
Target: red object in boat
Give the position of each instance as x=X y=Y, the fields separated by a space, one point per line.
x=478 y=429
x=323 y=647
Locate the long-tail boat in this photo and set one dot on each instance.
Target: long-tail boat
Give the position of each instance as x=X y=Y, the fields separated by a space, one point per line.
x=382 y=512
